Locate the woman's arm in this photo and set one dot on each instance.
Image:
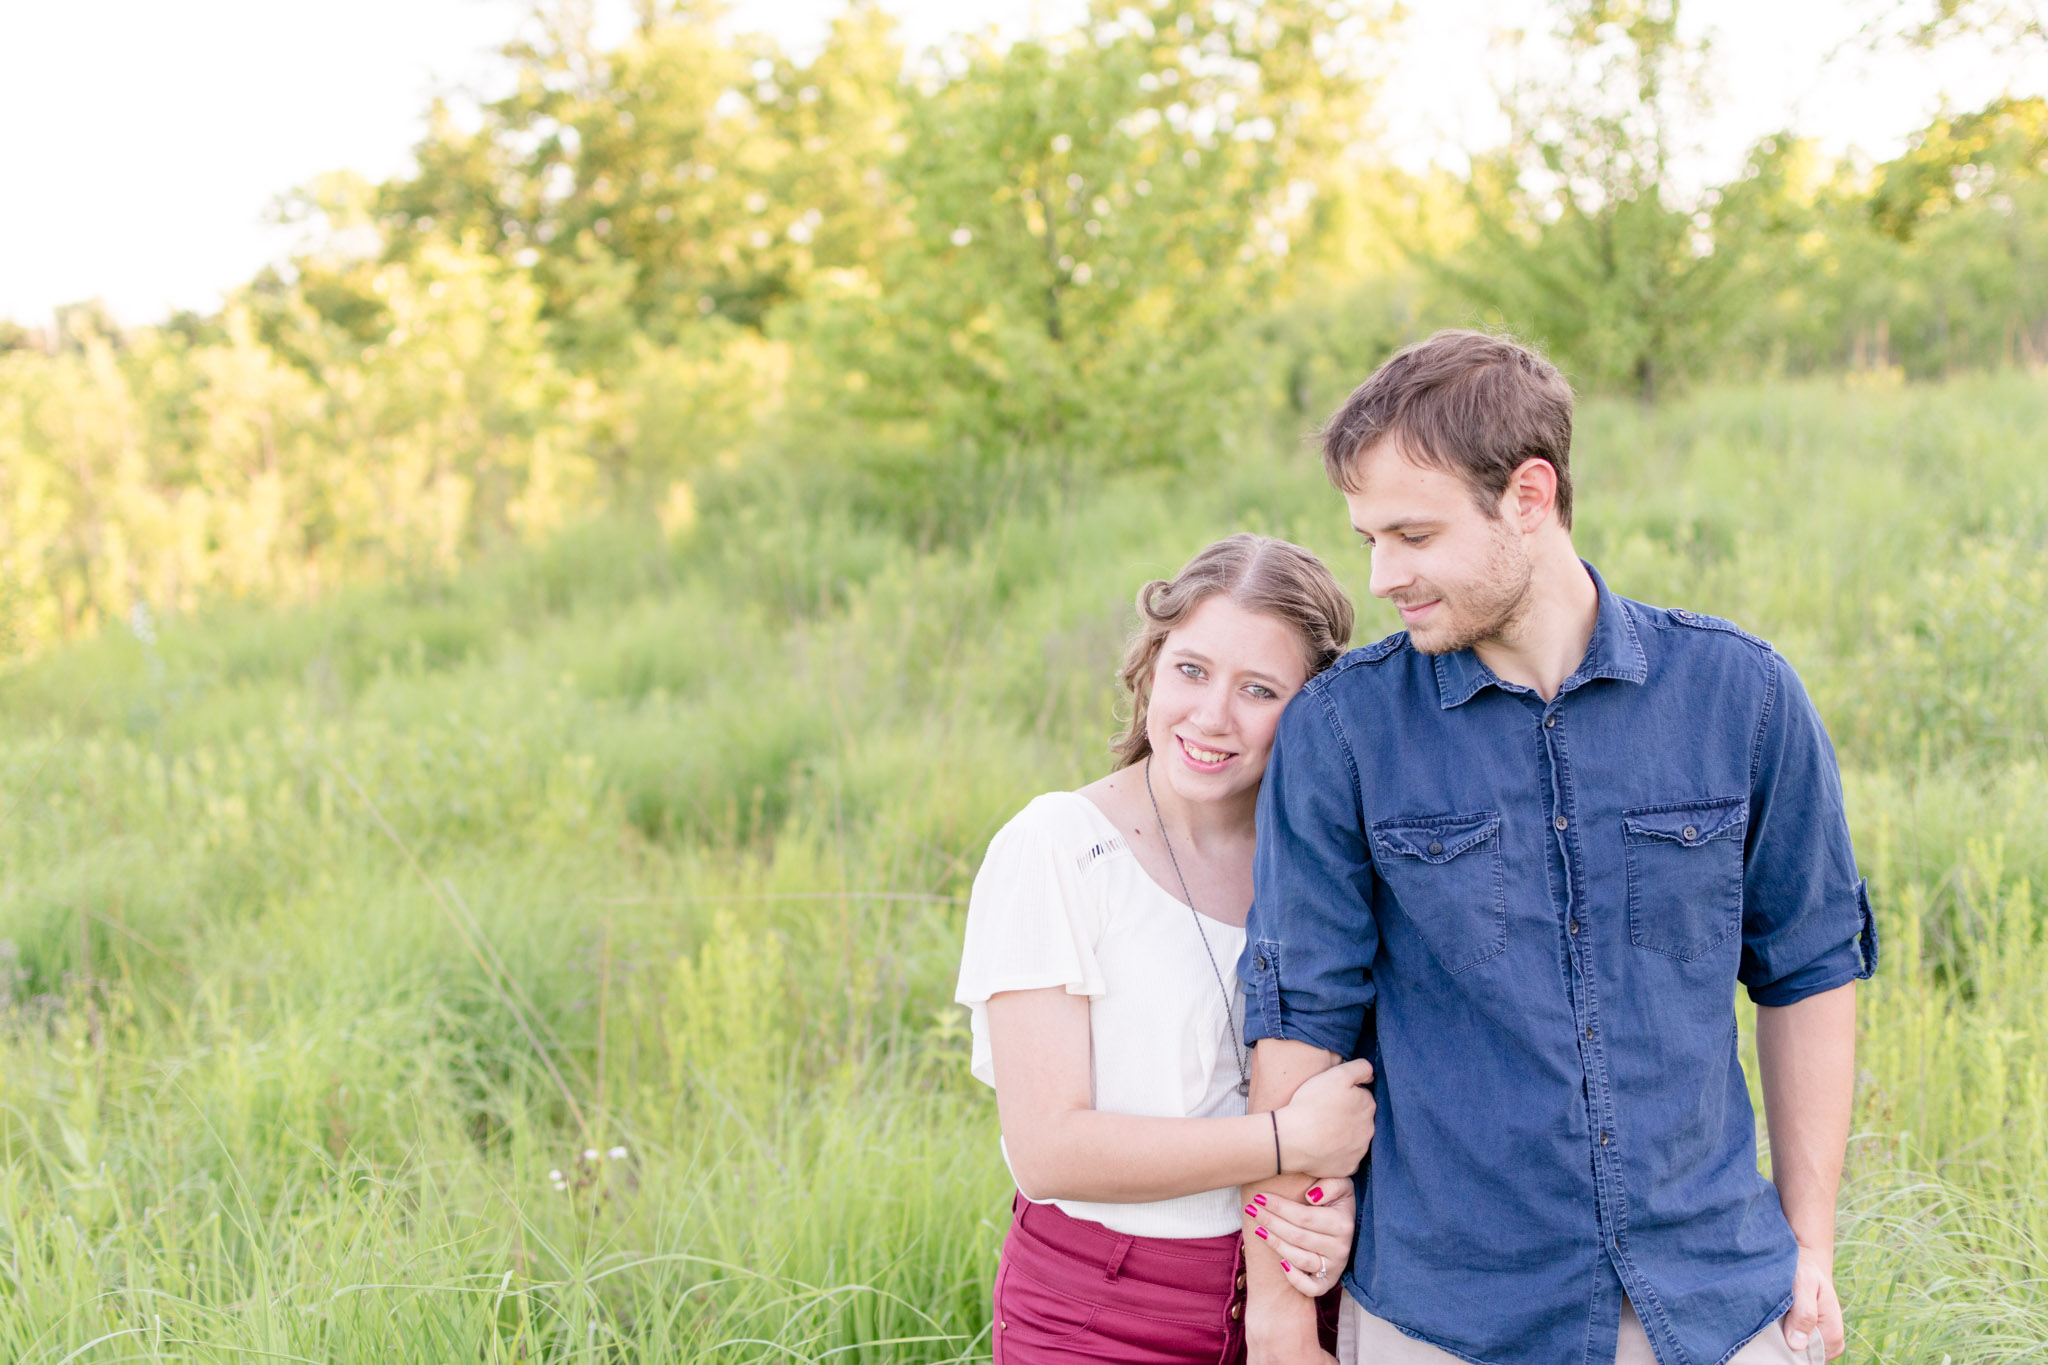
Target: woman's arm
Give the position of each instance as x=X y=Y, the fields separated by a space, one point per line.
x=1062 y=1148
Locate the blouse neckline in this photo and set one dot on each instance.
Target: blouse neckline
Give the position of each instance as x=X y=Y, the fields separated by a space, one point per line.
x=1101 y=818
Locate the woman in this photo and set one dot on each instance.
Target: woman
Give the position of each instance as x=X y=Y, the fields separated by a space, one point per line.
x=1102 y=939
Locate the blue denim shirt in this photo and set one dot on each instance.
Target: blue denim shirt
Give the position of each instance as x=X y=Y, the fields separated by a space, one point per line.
x=1532 y=917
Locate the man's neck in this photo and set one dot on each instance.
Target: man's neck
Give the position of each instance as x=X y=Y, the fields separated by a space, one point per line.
x=1547 y=643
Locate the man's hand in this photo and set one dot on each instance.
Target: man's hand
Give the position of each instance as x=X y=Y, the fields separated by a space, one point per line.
x=1807 y=1053
x=1814 y=1305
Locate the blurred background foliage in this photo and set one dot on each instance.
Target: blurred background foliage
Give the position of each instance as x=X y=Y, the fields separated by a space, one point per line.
x=908 y=288
x=498 y=723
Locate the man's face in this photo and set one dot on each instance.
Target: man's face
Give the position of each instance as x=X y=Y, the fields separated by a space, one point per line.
x=1460 y=577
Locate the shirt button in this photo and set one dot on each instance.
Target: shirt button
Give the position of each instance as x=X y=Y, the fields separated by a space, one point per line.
x=1603 y=1139
x=1574 y=926
x=1690 y=832
x=1589 y=1038
x=1258 y=964
x=1240 y=1282
x=1561 y=824
x=1435 y=847
x=1236 y=1311
x=1550 y=722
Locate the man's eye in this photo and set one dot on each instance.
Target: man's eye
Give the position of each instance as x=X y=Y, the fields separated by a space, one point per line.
x=1413 y=540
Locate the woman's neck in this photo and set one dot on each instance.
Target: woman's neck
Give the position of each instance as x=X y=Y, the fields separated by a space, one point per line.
x=1200 y=825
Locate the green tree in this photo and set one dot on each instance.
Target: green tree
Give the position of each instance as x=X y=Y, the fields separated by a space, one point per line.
x=1090 y=220
x=1579 y=241
x=679 y=176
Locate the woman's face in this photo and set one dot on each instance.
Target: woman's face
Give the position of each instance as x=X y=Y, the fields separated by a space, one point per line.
x=1217 y=691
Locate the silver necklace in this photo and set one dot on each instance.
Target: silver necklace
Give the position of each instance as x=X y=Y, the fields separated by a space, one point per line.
x=1244 y=1075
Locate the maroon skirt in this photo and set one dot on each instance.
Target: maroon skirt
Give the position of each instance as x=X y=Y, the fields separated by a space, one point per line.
x=1069 y=1290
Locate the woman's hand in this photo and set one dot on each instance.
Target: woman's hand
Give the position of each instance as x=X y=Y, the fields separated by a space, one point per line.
x=1313 y=1238
x=1327 y=1127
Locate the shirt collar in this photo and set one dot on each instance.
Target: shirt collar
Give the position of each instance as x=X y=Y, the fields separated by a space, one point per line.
x=1615 y=651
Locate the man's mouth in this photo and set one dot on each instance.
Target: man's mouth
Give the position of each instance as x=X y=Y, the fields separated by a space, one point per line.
x=1411 y=612
x=1206 y=760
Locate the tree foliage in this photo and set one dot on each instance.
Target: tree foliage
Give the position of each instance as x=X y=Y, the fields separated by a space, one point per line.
x=692 y=275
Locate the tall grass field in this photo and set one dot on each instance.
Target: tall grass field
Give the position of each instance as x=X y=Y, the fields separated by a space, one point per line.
x=552 y=962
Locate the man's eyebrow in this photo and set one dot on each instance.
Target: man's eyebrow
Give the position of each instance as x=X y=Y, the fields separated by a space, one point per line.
x=1400 y=524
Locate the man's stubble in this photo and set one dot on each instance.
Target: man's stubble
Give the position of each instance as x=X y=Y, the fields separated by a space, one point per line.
x=1490 y=608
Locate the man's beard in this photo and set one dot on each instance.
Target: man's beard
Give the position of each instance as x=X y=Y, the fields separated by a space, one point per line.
x=1487 y=610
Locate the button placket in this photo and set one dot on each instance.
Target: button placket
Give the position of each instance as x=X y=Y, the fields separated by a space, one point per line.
x=1585 y=1007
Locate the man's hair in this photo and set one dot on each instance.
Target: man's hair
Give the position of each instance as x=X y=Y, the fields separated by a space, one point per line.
x=1467 y=402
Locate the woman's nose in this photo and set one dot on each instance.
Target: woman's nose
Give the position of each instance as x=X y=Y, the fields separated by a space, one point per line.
x=1212 y=713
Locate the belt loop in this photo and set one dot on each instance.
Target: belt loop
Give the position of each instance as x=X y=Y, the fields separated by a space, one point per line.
x=1116 y=1258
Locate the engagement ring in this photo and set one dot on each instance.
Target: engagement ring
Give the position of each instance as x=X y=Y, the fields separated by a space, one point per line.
x=1324 y=1268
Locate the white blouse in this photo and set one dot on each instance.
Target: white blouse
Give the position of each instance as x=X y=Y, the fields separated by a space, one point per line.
x=1061 y=901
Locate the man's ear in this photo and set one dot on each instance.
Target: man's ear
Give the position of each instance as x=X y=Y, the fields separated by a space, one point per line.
x=1531 y=495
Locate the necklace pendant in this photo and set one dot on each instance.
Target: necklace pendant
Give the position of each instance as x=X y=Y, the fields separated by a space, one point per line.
x=1244 y=1087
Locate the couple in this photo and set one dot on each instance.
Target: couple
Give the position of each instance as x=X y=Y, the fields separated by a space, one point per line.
x=1478 y=896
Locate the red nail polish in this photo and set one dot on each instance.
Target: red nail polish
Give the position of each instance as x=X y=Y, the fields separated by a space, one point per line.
x=1260 y=1231
x=1250 y=1211
x=1259 y=1199
x=1285 y=1266
x=1315 y=1196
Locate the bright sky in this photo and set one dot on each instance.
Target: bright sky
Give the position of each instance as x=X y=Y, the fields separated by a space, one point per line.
x=150 y=138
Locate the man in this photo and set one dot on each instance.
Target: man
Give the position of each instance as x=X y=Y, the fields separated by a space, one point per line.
x=1520 y=856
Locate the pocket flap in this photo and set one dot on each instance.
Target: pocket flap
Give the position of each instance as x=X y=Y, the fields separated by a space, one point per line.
x=1438 y=838
x=1690 y=823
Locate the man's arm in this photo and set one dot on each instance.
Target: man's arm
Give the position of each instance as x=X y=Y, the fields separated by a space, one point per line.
x=1280 y=1325
x=1310 y=940
x=1807 y=939
x=1806 y=1052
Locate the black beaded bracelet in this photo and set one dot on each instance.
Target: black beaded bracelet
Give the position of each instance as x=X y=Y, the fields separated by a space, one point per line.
x=1274 y=1114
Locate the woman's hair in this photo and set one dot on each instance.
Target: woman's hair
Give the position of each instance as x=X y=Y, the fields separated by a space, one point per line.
x=1260 y=574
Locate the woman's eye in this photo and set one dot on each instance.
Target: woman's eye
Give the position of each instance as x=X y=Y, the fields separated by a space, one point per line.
x=1261 y=692
x=1191 y=671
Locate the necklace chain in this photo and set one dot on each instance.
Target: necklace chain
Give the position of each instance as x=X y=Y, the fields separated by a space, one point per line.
x=1244 y=1077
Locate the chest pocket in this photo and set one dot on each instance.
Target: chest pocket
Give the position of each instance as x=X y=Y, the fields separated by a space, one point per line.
x=1685 y=874
x=1446 y=872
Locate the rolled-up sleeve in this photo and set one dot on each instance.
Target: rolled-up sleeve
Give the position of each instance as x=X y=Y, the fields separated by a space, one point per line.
x=1806 y=921
x=1310 y=938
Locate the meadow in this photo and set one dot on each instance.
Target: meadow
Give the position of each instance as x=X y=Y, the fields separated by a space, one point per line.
x=550 y=961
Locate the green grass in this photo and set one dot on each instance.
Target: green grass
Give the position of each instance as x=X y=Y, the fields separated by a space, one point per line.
x=330 y=936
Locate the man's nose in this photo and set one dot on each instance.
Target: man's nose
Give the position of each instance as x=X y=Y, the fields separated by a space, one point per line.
x=1389 y=575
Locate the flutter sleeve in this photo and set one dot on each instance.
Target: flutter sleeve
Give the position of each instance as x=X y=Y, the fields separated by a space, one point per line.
x=1031 y=923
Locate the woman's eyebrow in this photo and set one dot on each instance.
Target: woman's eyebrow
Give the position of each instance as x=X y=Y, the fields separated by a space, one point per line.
x=1195 y=656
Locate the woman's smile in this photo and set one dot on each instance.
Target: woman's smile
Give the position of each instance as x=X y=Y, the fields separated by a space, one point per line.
x=1202 y=759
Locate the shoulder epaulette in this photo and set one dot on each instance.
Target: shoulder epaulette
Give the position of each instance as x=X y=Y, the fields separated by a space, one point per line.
x=1373 y=653
x=1678 y=616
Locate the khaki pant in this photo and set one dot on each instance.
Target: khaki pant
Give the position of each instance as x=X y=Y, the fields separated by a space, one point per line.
x=1363 y=1339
